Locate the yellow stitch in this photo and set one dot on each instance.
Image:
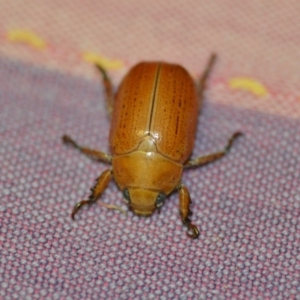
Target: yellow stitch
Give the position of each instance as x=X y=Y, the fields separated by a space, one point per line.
x=103 y=61
x=248 y=84
x=114 y=207
x=27 y=37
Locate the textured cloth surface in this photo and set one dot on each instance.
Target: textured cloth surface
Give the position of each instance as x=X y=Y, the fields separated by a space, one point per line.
x=247 y=205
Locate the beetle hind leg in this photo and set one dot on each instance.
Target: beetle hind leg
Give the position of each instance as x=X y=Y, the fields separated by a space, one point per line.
x=184 y=209
x=97 y=190
x=109 y=95
x=203 y=160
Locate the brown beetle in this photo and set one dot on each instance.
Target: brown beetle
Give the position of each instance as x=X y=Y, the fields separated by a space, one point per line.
x=153 y=126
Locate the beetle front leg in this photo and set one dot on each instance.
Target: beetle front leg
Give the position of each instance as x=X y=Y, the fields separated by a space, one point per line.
x=184 y=209
x=109 y=96
x=94 y=154
x=97 y=190
x=203 y=160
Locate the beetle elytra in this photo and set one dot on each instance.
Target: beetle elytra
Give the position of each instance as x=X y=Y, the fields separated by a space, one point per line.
x=153 y=126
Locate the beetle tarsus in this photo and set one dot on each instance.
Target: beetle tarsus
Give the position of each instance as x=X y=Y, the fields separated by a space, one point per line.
x=102 y=71
x=205 y=75
x=203 y=160
x=79 y=205
x=211 y=61
x=232 y=139
x=109 y=95
x=96 y=191
x=68 y=140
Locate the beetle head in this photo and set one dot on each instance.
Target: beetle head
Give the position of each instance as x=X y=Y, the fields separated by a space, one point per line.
x=143 y=202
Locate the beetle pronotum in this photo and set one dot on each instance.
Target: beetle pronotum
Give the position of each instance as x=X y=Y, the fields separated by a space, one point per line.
x=153 y=126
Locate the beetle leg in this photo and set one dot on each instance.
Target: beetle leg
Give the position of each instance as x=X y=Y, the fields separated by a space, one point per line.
x=94 y=154
x=184 y=209
x=109 y=95
x=97 y=190
x=203 y=79
x=203 y=160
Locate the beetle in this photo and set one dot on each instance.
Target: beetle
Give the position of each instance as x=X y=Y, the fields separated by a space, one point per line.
x=153 y=126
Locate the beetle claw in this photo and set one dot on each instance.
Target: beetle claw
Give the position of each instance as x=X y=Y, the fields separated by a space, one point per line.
x=74 y=211
x=195 y=231
x=78 y=206
x=68 y=140
x=232 y=139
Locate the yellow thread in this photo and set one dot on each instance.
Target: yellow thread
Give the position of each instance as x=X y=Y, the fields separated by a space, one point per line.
x=248 y=84
x=114 y=207
x=103 y=61
x=27 y=37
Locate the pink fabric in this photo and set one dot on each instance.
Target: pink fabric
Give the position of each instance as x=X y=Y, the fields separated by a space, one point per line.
x=247 y=205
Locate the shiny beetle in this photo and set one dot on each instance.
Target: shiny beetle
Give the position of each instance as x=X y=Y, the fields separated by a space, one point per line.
x=153 y=126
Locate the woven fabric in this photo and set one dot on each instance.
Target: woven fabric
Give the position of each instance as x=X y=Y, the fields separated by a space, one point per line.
x=247 y=205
